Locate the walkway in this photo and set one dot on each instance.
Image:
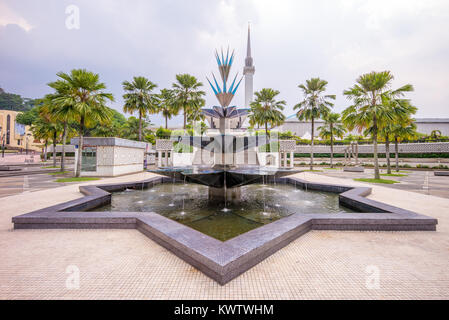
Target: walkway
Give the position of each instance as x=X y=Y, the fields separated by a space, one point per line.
x=115 y=264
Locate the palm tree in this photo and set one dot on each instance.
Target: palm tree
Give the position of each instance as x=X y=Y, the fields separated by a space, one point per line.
x=85 y=94
x=372 y=106
x=130 y=129
x=265 y=110
x=61 y=112
x=166 y=105
x=42 y=130
x=139 y=98
x=315 y=105
x=187 y=95
x=402 y=110
x=45 y=126
x=402 y=130
x=332 y=128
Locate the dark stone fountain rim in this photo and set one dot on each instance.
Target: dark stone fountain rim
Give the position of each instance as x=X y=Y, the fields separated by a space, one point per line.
x=223 y=261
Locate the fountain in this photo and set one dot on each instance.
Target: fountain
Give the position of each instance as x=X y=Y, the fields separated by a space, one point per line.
x=235 y=156
x=228 y=206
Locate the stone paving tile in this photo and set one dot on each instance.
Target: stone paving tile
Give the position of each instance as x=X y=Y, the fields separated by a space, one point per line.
x=124 y=264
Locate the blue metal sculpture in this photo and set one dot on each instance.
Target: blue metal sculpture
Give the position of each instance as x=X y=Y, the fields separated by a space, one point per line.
x=224 y=93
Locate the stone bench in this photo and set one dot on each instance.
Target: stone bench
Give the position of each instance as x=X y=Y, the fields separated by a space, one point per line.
x=354 y=169
x=441 y=173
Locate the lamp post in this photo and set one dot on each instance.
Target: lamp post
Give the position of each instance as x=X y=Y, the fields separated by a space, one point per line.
x=27 y=137
x=2 y=142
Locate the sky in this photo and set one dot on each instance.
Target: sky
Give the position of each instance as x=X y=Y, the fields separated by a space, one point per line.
x=292 y=41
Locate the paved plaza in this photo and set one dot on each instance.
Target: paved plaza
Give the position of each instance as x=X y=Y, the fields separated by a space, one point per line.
x=424 y=182
x=115 y=264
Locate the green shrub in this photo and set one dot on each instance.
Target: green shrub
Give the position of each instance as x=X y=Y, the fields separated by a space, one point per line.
x=423 y=166
x=163 y=133
x=58 y=154
x=441 y=166
x=272 y=147
x=182 y=148
x=380 y=155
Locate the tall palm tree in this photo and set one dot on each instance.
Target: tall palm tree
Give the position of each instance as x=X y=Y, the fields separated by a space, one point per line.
x=61 y=112
x=85 y=94
x=266 y=110
x=370 y=96
x=402 y=130
x=332 y=128
x=187 y=95
x=166 y=105
x=138 y=98
x=315 y=105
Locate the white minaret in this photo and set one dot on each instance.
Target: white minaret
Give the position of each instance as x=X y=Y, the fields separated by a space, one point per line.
x=248 y=71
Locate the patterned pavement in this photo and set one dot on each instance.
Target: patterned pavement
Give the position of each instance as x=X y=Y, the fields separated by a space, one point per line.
x=124 y=264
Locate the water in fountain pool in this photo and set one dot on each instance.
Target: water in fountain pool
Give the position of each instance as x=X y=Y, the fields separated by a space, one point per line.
x=189 y=204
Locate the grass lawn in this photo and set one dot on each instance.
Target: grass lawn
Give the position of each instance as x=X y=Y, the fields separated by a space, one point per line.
x=58 y=173
x=50 y=167
x=77 y=179
x=384 y=181
x=393 y=175
x=313 y=170
x=331 y=168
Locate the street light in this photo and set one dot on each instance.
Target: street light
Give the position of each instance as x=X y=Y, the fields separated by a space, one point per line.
x=2 y=142
x=27 y=136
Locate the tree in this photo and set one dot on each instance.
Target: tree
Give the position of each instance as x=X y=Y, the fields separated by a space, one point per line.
x=370 y=96
x=45 y=127
x=111 y=129
x=315 y=105
x=435 y=134
x=265 y=110
x=133 y=127
x=332 y=128
x=41 y=130
x=138 y=98
x=166 y=105
x=399 y=112
x=404 y=129
x=14 y=102
x=85 y=94
x=60 y=111
x=187 y=95
x=28 y=117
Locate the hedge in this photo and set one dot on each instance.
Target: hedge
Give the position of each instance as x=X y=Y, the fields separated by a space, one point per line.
x=380 y=155
x=58 y=154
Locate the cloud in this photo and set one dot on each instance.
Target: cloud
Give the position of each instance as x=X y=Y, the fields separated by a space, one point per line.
x=292 y=41
x=8 y=16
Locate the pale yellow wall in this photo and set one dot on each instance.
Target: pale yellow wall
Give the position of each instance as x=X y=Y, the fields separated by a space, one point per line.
x=14 y=138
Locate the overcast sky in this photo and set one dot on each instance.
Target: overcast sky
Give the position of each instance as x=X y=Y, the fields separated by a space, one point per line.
x=336 y=40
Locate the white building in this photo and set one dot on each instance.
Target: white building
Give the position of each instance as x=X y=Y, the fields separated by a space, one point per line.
x=303 y=128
